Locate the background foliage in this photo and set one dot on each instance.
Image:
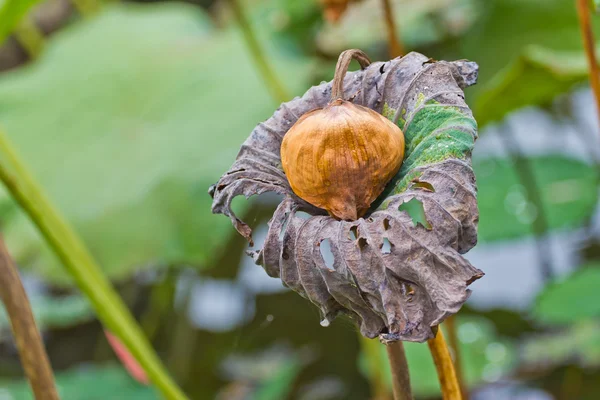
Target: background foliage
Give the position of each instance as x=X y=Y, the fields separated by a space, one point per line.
x=127 y=112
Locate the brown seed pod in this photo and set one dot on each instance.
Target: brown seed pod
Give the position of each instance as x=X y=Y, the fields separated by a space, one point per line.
x=340 y=157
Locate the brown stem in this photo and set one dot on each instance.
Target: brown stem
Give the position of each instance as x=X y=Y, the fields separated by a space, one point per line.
x=27 y=338
x=396 y=49
x=337 y=87
x=400 y=375
x=583 y=10
x=453 y=340
x=445 y=367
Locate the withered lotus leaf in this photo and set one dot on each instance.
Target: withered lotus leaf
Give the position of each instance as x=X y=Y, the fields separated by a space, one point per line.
x=396 y=278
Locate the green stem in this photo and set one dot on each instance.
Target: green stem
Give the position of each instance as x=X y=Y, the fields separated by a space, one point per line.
x=86 y=7
x=30 y=37
x=371 y=349
x=268 y=74
x=69 y=248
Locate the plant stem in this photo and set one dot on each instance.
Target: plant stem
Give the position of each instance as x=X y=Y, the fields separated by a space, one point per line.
x=26 y=335
x=76 y=258
x=343 y=62
x=529 y=182
x=450 y=326
x=396 y=49
x=400 y=374
x=30 y=37
x=268 y=74
x=371 y=349
x=583 y=11
x=445 y=367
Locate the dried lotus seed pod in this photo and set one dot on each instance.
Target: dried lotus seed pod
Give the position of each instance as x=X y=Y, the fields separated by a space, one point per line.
x=340 y=157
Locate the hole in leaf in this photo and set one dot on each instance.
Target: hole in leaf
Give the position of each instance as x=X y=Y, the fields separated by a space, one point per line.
x=414 y=208
x=428 y=187
x=362 y=243
x=386 y=248
x=284 y=226
x=386 y=224
x=382 y=69
x=302 y=215
x=353 y=233
x=327 y=254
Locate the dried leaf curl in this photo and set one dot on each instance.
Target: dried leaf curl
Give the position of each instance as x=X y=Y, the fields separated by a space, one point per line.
x=398 y=293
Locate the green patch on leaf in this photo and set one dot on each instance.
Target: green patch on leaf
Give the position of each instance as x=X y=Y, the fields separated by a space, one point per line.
x=435 y=133
x=571 y=299
x=567 y=189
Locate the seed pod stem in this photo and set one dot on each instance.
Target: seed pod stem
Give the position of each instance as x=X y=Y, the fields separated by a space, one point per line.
x=337 y=87
x=399 y=366
x=445 y=367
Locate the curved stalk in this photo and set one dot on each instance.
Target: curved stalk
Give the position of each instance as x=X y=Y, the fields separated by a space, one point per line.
x=76 y=258
x=400 y=374
x=341 y=68
x=445 y=367
x=26 y=335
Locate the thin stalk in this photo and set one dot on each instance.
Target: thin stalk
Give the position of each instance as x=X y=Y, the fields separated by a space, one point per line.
x=26 y=335
x=30 y=37
x=450 y=326
x=529 y=182
x=86 y=7
x=396 y=49
x=265 y=69
x=445 y=367
x=371 y=349
x=341 y=68
x=76 y=258
x=587 y=35
x=400 y=374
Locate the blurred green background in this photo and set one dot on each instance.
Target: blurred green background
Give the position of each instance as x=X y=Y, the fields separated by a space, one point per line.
x=127 y=112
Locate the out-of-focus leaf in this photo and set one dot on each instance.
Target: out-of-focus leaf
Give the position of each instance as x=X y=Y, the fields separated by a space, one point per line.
x=485 y=358
x=579 y=343
x=499 y=41
x=55 y=312
x=567 y=187
x=534 y=78
x=571 y=299
x=419 y=23
x=126 y=120
x=11 y=12
x=87 y=383
x=280 y=384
